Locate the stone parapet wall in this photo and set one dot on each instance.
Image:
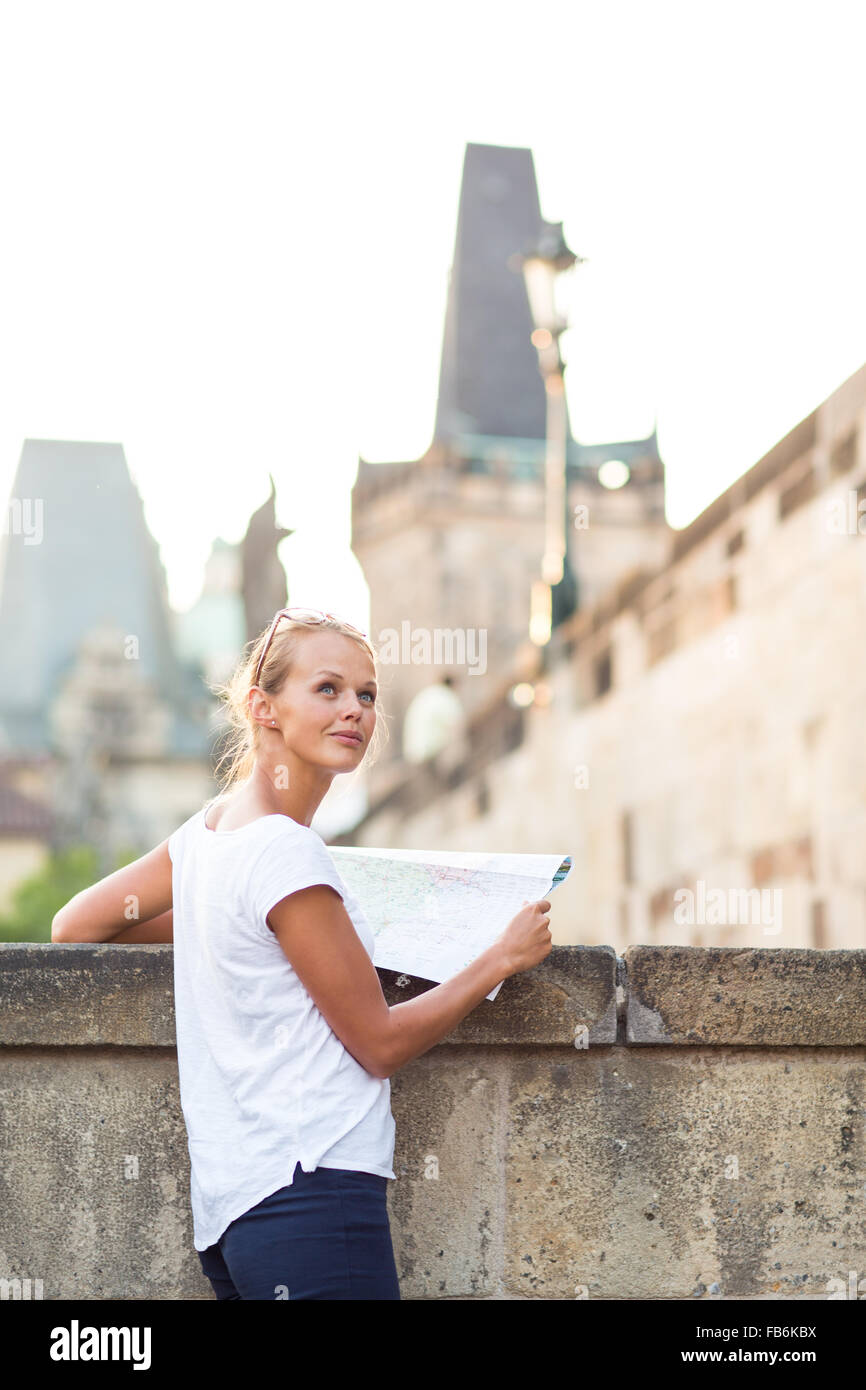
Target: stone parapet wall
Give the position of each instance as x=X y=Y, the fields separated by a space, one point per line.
x=678 y=1123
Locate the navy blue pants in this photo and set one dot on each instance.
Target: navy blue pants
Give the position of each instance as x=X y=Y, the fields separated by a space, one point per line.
x=325 y=1235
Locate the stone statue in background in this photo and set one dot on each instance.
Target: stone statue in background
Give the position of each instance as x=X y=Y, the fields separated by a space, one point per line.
x=263 y=579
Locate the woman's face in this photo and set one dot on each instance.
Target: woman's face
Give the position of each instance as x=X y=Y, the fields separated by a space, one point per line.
x=330 y=693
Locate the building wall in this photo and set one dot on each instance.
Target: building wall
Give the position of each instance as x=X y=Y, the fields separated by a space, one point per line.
x=727 y=749
x=445 y=549
x=142 y=801
x=159 y=796
x=615 y=533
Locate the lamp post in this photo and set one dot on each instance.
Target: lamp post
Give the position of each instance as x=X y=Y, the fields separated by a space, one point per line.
x=541 y=266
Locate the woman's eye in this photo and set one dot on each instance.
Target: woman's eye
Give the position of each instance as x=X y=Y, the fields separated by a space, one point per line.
x=329 y=685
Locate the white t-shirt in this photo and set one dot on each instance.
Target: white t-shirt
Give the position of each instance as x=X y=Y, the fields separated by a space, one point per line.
x=264 y=1080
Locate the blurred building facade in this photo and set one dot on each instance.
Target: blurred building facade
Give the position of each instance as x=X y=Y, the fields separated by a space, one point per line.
x=450 y=543
x=97 y=711
x=212 y=632
x=108 y=728
x=693 y=731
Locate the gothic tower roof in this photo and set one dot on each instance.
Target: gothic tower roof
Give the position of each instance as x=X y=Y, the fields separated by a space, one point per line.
x=490 y=387
x=489 y=382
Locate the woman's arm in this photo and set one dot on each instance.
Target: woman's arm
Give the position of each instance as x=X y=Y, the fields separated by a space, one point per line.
x=123 y=906
x=159 y=928
x=329 y=958
x=319 y=939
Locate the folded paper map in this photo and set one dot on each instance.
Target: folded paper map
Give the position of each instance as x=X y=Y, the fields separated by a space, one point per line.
x=433 y=912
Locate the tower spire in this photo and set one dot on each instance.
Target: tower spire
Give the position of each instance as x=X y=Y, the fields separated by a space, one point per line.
x=489 y=382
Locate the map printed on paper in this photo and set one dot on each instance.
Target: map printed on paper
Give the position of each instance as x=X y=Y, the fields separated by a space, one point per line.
x=433 y=912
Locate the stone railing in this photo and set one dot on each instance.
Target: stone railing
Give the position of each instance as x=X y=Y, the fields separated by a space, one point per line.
x=682 y=1123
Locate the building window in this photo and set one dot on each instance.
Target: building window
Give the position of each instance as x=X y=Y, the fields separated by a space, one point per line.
x=819 y=925
x=736 y=542
x=603 y=678
x=797 y=492
x=844 y=454
x=626 y=839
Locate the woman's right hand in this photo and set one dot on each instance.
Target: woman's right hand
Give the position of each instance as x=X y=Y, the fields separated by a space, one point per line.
x=527 y=940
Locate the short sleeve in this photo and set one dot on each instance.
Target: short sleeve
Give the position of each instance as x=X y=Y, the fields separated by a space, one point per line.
x=292 y=862
x=174 y=845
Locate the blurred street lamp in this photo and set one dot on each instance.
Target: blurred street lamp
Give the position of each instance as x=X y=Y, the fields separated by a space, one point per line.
x=541 y=266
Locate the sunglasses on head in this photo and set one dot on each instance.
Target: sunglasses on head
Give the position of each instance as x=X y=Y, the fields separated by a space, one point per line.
x=304 y=615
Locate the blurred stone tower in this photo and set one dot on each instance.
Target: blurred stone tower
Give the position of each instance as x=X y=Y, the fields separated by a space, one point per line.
x=453 y=541
x=93 y=693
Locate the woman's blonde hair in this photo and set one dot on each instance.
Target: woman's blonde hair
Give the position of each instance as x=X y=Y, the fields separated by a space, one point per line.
x=242 y=740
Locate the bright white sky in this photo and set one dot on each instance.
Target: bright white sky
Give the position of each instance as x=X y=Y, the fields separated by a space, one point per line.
x=228 y=226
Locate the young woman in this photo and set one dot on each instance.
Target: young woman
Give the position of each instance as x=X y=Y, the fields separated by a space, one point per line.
x=285 y=1040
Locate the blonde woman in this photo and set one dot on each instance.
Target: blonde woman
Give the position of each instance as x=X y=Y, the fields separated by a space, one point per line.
x=285 y=1041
